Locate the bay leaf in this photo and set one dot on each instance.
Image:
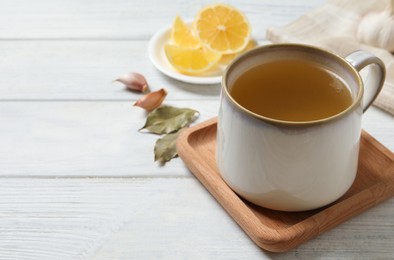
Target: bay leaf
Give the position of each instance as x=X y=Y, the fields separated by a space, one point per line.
x=169 y=119
x=165 y=147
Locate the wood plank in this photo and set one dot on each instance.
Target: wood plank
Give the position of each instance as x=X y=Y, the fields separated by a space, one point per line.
x=83 y=70
x=155 y=218
x=83 y=139
x=379 y=123
x=101 y=138
x=118 y=19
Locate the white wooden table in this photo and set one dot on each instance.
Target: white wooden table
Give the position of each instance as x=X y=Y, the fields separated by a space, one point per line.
x=77 y=181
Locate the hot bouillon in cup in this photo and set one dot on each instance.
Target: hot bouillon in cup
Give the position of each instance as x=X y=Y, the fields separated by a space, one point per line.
x=289 y=124
x=291 y=90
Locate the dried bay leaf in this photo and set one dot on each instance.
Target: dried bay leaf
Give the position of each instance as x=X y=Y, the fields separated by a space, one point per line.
x=168 y=119
x=165 y=147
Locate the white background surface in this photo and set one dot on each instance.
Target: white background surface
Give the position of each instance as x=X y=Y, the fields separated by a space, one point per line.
x=77 y=181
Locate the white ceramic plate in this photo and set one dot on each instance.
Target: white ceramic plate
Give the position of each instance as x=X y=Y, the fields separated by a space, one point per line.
x=160 y=61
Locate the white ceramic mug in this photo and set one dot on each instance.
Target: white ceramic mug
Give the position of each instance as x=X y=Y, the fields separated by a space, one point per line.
x=294 y=166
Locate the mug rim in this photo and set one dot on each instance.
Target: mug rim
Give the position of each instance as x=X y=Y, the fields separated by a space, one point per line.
x=355 y=102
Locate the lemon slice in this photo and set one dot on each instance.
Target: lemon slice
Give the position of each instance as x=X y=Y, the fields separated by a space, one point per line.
x=182 y=35
x=227 y=58
x=191 y=60
x=222 y=28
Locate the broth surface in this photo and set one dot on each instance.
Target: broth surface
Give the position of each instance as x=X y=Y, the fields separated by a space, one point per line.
x=291 y=90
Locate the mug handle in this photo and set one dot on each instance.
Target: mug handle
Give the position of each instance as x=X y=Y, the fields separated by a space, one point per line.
x=375 y=79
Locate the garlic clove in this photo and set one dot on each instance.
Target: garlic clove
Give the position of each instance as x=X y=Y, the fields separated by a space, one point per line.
x=134 y=81
x=152 y=100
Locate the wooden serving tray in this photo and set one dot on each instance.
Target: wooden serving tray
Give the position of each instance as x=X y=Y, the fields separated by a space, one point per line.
x=279 y=231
